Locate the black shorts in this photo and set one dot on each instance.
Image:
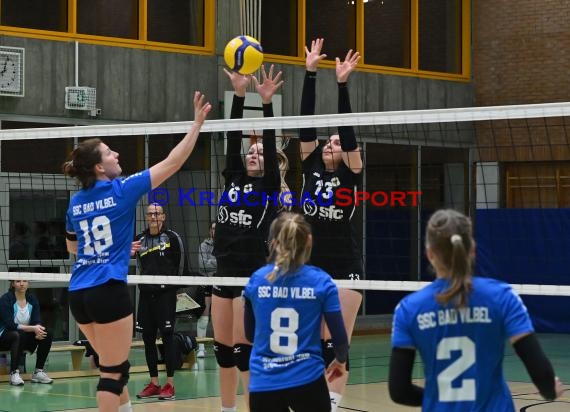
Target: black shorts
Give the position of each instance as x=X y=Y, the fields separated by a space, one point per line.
x=105 y=303
x=227 y=292
x=312 y=397
x=157 y=310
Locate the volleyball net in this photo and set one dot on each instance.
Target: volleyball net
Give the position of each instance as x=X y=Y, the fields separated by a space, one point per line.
x=505 y=166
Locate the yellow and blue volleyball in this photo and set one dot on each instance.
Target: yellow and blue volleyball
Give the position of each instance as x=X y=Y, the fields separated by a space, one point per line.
x=243 y=54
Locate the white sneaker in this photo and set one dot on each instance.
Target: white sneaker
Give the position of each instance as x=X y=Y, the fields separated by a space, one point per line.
x=15 y=378
x=40 y=376
x=201 y=354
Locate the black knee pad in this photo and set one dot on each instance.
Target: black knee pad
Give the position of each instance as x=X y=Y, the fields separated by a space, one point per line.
x=242 y=353
x=110 y=385
x=224 y=355
x=328 y=353
x=123 y=369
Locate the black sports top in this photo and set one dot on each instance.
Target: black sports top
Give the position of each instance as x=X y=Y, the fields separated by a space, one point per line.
x=245 y=212
x=335 y=248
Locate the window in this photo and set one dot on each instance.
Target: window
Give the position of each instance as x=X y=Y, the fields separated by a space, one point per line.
x=159 y=146
x=17 y=157
x=176 y=21
x=111 y=18
x=335 y=21
x=35 y=207
x=35 y=14
x=422 y=37
x=37 y=223
x=387 y=33
x=170 y=25
x=131 y=152
x=440 y=35
x=279 y=29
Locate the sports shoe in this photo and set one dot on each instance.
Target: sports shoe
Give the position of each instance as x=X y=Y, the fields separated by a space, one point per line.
x=201 y=353
x=39 y=376
x=150 y=391
x=167 y=393
x=15 y=378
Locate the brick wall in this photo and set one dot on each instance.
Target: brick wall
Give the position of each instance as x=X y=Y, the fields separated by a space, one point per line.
x=521 y=51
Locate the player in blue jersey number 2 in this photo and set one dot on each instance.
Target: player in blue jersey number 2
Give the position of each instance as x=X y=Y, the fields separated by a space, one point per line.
x=459 y=324
x=99 y=230
x=284 y=304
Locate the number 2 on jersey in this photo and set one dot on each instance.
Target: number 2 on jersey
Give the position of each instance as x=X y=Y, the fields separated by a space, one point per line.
x=100 y=230
x=284 y=324
x=466 y=347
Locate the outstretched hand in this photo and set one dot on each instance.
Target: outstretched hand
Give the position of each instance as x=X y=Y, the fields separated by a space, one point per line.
x=201 y=107
x=239 y=82
x=270 y=84
x=314 y=55
x=344 y=69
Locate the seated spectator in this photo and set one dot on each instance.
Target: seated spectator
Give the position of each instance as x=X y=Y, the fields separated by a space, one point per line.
x=20 y=321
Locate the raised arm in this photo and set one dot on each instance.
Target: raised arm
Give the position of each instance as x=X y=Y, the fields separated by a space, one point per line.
x=234 y=161
x=308 y=136
x=270 y=84
x=177 y=156
x=350 y=151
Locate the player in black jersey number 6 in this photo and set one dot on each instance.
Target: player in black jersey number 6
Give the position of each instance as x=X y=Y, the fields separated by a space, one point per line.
x=243 y=220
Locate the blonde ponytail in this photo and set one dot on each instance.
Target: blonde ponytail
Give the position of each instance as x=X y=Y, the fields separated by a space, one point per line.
x=290 y=245
x=449 y=235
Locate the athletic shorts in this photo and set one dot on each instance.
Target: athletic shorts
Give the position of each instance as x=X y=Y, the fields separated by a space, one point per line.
x=227 y=292
x=104 y=303
x=312 y=397
x=157 y=310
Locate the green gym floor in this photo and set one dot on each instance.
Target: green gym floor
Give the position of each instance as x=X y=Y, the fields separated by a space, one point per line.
x=197 y=389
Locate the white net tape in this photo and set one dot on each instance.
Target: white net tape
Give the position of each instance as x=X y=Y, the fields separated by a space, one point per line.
x=386 y=285
x=433 y=116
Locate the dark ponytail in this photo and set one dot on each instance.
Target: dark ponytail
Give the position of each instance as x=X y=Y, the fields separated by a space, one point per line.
x=82 y=162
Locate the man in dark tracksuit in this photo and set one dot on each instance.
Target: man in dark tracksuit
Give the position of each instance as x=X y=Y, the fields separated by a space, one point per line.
x=161 y=253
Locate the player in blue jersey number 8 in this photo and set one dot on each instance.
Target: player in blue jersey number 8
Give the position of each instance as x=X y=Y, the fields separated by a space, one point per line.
x=459 y=324
x=284 y=304
x=99 y=228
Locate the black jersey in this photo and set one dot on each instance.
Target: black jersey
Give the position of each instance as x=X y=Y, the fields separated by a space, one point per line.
x=335 y=249
x=334 y=232
x=161 y=255
x=247 y=206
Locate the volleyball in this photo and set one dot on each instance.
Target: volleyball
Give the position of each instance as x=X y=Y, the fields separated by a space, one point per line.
x=243 y=54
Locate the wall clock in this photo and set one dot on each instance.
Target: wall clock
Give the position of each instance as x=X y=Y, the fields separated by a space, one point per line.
x=11 y=71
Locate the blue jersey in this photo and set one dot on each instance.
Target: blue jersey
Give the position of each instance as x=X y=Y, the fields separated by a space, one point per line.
x=103 y=217
x=287 y=342
x=462 y=348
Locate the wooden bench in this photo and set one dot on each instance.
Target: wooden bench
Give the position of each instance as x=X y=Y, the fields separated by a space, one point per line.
x=78 y=352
